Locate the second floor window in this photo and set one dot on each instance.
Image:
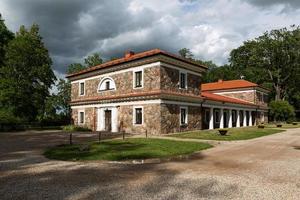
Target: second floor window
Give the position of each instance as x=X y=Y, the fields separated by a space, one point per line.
x=183 y=80
x=138 y=79
x=107 y=85
x=81 y=88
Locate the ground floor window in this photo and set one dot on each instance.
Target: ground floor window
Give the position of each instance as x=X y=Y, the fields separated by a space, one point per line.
x=81 y=117
x=138 y=115
x=183 y=115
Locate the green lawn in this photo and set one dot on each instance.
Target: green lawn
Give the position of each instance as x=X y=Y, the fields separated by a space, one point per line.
x=233 y=134
x=134 y=148
x=284 y=126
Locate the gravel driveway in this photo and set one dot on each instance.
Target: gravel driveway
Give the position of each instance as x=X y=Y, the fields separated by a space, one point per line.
x=262 y=168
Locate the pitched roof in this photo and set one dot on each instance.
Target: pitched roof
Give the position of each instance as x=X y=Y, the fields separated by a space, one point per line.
x=216 y=97
x=132 y=57
x=221 y=85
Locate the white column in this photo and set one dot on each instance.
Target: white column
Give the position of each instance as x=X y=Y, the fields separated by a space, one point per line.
x=230 y=118
x=250 y=118
x=221 y=118
x=114 y=120
x=238 y=118
x=244 y=118
x=211 y=118
x=101 y=120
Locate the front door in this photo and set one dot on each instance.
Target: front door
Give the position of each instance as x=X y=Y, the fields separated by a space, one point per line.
x=107 y=120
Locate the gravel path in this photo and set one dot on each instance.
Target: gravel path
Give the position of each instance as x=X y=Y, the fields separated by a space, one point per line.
x=262 y=168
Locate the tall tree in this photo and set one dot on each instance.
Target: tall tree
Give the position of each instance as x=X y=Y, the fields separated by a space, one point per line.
x=186 y=53
x=273 y=57
x=5 y=37
x=93 y=60
x=75 y=67
x=27 y=74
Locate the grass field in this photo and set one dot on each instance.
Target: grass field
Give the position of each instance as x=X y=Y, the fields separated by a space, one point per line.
x=134 y=148
x=233 y=134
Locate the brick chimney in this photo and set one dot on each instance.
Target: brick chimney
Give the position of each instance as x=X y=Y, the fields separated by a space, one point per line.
x=128 y=54
x=220 y=80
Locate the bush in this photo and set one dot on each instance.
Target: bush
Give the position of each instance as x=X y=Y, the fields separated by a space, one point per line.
x=281 y=110
x=9 y=122
x=73 y=128
x=223 y=131
x=261 y=126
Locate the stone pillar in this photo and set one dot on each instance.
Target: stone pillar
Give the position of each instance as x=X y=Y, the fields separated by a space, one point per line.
x=221 y=118
x=211 y=118
x=244 y=118
x=238 y=118
x=250 y=118
x=230 y=118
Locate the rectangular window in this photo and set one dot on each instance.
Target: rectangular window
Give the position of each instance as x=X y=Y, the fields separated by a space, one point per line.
x=183 y=80
x=81 y=88
x=107 y=86
x=183 y=115
x=138 y=115
x=81 y=117
x=138 y=79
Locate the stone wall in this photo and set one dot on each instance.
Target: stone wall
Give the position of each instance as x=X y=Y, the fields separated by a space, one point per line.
x=246 y=96
x=151 y=119
x=170 y=119
x=89 y=118
x=124 y=84
x=170 y=81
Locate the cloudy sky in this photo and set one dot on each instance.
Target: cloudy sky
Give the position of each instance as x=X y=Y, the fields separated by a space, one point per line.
x=73 y=29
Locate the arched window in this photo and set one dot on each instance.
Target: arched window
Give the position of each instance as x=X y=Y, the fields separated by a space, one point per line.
x=106 y=83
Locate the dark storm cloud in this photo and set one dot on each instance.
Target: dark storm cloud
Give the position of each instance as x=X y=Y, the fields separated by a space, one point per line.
x=290 y=3
x=73 y=28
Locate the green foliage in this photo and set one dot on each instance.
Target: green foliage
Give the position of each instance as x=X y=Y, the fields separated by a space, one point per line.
x=5 y=37
x=186 y=53
x=273 y=59
x=93 y=60
x=8 y=121
x=281 y=110
x=73 y=128
x=75 y=67
x=133 y=148
x=27 y=75
x=90 y=61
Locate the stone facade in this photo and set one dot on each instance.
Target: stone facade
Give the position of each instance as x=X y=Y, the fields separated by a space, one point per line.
x=170 y=119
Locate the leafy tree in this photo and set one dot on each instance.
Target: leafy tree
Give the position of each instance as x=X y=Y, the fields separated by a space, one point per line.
x=281 y=110
x=27 y=75
x=90 y=61
x=93 y=60
x=5 y=37
x=186 y=53
x=75 y=67
x=273 y=59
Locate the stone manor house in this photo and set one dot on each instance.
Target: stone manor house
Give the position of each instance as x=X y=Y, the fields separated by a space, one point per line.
x=161 y=93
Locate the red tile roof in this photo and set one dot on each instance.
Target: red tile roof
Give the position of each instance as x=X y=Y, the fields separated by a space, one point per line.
x=134 y=57
x=221 y=85
x=216 y=97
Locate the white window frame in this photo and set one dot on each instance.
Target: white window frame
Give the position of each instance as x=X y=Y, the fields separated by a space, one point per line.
x=79 y=111
x=134 y=115
x=79 y=88
x=103 y=81
x=134 y=78
x=186 y=113
x=186 y=84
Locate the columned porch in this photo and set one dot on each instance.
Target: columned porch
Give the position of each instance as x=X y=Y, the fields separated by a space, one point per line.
x=228 y=117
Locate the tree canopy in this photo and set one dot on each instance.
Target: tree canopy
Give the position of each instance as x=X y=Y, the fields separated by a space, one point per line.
x=89 y=61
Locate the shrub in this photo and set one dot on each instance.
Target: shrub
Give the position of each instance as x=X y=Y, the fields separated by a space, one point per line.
x=9 y=122
x=73 y=128
x=281 y=110
x=261 y=126
x=295 y=123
